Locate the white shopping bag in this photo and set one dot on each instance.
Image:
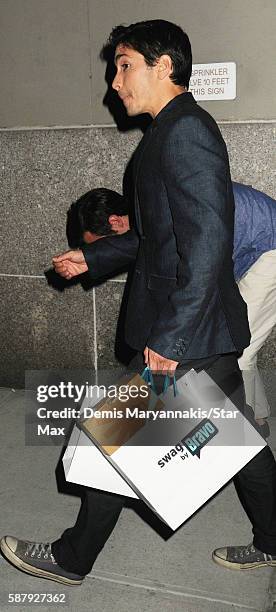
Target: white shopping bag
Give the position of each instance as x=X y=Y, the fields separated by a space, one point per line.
x=176 y=465
x=85 y=465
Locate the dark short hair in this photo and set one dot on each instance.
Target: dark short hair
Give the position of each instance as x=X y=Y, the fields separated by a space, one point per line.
x=153 y=39
x=95 y=207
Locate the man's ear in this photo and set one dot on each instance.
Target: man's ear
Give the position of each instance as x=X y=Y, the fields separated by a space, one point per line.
x=116 y=222
x=164 y=66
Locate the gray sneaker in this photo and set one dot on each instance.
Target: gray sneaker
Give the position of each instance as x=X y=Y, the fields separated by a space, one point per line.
x=243 y=557
x=36 y=559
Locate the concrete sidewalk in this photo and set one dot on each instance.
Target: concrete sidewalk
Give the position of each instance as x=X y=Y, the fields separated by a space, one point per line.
x=138 y=571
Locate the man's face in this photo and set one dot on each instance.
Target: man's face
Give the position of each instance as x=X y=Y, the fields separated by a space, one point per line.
x=135 y=81
x=118 y=223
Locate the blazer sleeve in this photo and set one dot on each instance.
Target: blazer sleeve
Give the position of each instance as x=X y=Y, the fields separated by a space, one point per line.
x=105 y=256
x=196 y=175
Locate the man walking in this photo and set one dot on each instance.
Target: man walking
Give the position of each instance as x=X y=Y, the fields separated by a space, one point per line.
x=184 y=306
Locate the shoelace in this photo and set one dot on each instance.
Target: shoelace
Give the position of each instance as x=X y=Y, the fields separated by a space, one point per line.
x=245 y=552
x=37 y=549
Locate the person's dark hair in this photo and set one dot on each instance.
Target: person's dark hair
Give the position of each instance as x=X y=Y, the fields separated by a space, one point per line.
x=153 y=39
x=95 y=207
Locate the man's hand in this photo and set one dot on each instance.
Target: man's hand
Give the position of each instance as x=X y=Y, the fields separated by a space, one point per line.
x=159 y=364
x=70 y=264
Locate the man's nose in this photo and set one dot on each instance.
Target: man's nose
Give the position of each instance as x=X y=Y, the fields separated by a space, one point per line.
x=116 y=83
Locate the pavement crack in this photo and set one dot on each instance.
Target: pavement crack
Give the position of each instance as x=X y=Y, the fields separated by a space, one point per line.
x=168 y=589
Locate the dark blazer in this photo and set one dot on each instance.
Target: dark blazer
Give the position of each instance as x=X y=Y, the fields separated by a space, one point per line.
x=184 y=302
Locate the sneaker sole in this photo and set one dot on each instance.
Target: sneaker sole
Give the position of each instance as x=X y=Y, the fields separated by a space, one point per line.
x=34 y=571
x=239 y=566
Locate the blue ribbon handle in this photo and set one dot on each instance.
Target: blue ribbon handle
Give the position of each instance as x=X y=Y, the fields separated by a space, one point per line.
x=148 y=378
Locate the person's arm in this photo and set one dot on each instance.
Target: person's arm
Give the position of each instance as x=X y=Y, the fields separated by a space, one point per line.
x=99 y=258
x=195 y=172
x=112 y=252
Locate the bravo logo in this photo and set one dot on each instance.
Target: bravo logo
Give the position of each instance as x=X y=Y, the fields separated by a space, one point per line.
x=193 y=442
x=199 y=437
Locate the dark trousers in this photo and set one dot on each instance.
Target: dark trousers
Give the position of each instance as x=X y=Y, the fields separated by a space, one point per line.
x=79 y=546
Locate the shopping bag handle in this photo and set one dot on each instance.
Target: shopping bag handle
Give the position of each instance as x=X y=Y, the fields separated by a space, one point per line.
x=167 y=384
x=148 y=378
